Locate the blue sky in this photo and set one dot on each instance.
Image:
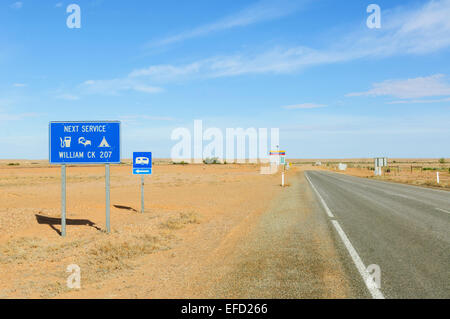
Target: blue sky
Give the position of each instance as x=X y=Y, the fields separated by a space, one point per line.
x=334 y=87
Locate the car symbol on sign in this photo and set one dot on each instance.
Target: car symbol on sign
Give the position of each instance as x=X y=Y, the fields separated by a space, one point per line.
x=142 y=160
x=84 y=141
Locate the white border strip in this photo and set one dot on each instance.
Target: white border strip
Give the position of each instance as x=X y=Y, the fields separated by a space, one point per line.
x=374 y=291
x=443 y=210
x=330 y=214
x=368 y=280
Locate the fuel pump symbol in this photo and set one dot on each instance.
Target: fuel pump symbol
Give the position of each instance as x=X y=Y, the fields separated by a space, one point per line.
x=65 y=143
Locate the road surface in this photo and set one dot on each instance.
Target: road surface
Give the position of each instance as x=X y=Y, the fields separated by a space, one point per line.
x=403 y=229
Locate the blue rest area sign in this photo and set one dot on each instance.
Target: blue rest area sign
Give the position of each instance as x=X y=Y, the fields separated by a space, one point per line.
x=84 y=142
x=142 y=163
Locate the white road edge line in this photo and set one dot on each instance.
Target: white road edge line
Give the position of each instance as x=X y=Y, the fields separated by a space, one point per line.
x=374 y=291
x=443 y=210
x=330 y=214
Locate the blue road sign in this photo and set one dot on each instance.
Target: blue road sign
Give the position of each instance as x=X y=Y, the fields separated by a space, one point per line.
x=84 y=142
x=142 y=163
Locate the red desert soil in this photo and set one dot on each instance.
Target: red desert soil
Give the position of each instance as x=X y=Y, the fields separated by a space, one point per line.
x=189 y=211
x=204 y=228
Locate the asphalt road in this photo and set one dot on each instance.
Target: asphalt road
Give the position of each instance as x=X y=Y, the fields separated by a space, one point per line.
x=403 y=229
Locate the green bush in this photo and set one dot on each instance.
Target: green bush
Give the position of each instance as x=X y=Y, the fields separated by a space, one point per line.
x=180 y=163
x=213 y=160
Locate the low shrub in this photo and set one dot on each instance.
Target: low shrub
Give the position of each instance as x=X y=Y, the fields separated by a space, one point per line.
x=213 y=160
x=180 y=163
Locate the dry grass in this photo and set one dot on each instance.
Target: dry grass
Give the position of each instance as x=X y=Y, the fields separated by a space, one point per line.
x=98 y=258
x=33 y=249
x=413 y=171
x=404 y=175
x=107 y=257
x=180 y=221
x=34 y=258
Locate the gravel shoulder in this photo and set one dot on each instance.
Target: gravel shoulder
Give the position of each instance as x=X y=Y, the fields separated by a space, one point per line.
x=290 y=251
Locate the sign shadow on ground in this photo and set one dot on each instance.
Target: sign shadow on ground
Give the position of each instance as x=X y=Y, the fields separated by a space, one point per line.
x=52 y=221
x=125 y=207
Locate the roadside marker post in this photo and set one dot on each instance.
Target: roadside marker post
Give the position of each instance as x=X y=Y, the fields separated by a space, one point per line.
x=88 y=143
x=142 y=165
x=278 y=158
x=437 y=177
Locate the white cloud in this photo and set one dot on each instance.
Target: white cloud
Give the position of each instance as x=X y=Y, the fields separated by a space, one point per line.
x=147 y=89
x=113 y=87
x=58 y=5
x=420 y=87
x=418 y=30
x=167 y=72
x=420 y=101
x=17 y=5
x=261 y=11
x=19 y=85
x=303 y=106
x=277 y=60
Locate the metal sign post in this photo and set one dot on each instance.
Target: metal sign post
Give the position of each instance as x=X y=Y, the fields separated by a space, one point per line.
x=63 y=200
x=380 y=162
x=142 y=165
x=91 y=142
x=108 y=205
x=142 y=193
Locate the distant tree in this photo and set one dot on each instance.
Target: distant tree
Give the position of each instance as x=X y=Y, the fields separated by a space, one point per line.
x=442 y=160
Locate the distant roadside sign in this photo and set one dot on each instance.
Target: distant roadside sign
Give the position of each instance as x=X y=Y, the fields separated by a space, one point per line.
x=278 y=157
x=278 y=153
x=84 y=142
x=381 y=161
x=142 y=163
